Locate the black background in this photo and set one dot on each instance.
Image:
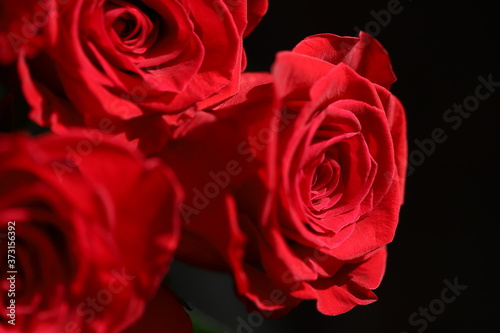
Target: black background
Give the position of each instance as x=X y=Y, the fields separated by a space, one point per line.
x=448 y=224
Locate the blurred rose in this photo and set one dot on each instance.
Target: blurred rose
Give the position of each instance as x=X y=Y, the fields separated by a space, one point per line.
x=95 y=225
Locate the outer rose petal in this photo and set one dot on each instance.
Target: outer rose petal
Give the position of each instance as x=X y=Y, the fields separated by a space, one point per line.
x=397 y=121
x=163 y=313
x=352 y=285
x=364 y=54
x=246 y=15
x=256 y=10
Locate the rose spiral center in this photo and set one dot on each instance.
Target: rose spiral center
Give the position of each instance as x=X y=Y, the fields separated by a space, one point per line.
x=126 y=27
x=324 y=182
x=133 y=28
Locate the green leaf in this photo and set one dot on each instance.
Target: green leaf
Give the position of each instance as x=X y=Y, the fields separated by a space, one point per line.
x=203 y=323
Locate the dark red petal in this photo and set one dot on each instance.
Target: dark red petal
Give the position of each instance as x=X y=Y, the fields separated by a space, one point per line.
x=163 y=313
x=27 y=26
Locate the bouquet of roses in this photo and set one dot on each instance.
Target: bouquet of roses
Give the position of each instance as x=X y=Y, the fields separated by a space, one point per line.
x=156 y=143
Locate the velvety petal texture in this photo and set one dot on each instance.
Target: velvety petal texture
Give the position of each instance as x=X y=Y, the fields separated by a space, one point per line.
x=89 y=255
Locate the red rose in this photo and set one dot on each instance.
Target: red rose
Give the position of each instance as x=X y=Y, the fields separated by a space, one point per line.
x=341 y=167
x=93 y=226
x=303 y=198
x=138 y=63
